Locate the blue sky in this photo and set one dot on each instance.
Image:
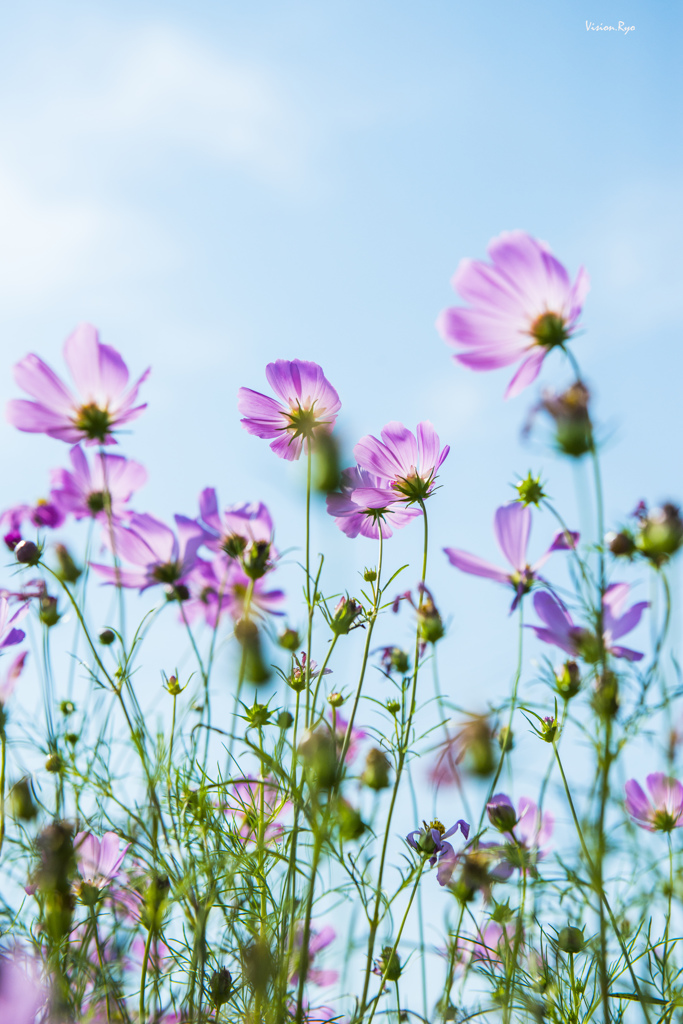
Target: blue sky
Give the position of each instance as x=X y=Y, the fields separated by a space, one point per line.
x=220 y=185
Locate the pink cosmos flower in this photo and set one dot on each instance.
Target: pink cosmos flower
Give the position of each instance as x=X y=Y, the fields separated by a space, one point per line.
x=148 y=543
x=408 y=464
x=521 y=307
x=99 y=865
x=102 y=406
x=526 y=828
x=667 y=811
x=559 y=629
x=9 y=634
x=489 y=946
x=244 y=804
x=308 y=403
x=98 y=492
x=366 y=500
x=22 y=989
x=511 y=525
x=250 y=521
x=221 y=586
x=318 y=940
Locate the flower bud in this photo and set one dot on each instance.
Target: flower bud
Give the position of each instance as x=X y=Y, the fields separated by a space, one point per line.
x=27 y=552
x=388 y=964
x=501 y=813
x=574 y=431
x=622 y=544
x=234 y=545
x=571 y=940
x=317 y=750
x=220 y=986
x=430 y=624
x=256 y=559
x=71 y=738
x=156 y=901
x=106 y=637
x=345 y=613
x=335 y=699
x=21 y=803
x=549 y=729
x=258 y=715
x=395 y=660
x=48 y=613
x=370 y=575
x=177 y=592
x=67 y=707
x=568 y=680
x=661 y=533
x=54 y=763
x=393 y=707
x=377 y=768
x=289 y=639
x=506 y=739
x=68 y=571
x=285 y=720
x=349 y=822
x=530 y=490
x=605 y=700
x=247 y=634
x=173 y=686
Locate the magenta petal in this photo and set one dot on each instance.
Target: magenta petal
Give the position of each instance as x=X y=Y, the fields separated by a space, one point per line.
x=286 y=446
x=637 y=804
x=40 y=382
x=562 y=543
x=111 y=855
x=34 y=418
x=627 y=653
x=627 y=622
x=551 y=613
x=526 y=374
x=511 y=526
x=475 y=566
x=549 y=636
x=615 y=598
x=321 y=939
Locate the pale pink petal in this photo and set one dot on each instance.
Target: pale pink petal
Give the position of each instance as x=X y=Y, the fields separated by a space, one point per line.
x=527 y=373
x=476 y=566
x=512 y=524
x=40 y=382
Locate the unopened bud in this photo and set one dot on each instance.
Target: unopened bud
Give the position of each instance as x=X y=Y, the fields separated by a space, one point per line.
x=393 y=707
x=285 y=720
x=255 y=669
x=370 y=575
x=568 y=680
x=68 y=571
x=622 y=544
x=530 y=490
x=506 y=739
x=289 y=639
x=318 y=752
x=571 y=940
x=336 y=699
x=430 y=624
x=21 y=803
x=388 y=964
x=661 y=533
x=106 y=637
x=258 y=715
x=220 y=986
x=344 y=615
x=256 y=559
x=351 y=825
x=27 y=552
x=258 y=965
x=54 y=763
x=377 y=768
x=574 y=431
x=173 y=686
x=48 y=613
x=177 y=592
x=549 y=729
x=501 y=813
x=326 y=470
x=67 y=707
x=234 y=545
x=605 y=700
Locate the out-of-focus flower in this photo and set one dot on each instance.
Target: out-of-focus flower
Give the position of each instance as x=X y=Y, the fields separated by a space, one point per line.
x=666 y=813
x=44 y=514
x=308 y=403
x=471 y=745
x=660 y=533
x=100 y=491
x=365 y=501
x=431 y=842
x=395 y=659
x=99 y=864
x=221 y=586
x=357 y=735
x=409 y=464
x=9 y=679
x=9 y=634
x=23 y=990
x=521 y=307
x=573 y=427
x=559 y=629
x=159 y=954
x=102 y=406
x=317 y=940
x=148 y=543
x=243 y=803
x=528 y=836
x=511 y=525
x=489 y=945
x=239 y=526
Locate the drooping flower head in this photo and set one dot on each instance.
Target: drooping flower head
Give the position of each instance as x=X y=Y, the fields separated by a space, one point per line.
x=664 y=812
x=100 y=491
x=366 y=501
x=560 y=630
x=522 y=305
x=308 y=404
x=409 y=464
x=102 y=405
x=151 y=546
x=430 y=841
x=511 y=525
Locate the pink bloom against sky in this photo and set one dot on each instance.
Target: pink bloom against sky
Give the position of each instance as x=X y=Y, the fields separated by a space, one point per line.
x=665 y=811
x=307 y=403
x=100 y=491
x=102 y=405
x=407 y=463
x=559 y=628
x=521 y=305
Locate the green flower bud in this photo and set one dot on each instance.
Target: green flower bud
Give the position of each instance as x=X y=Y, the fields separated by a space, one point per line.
x=605 y=700
x=349 y=822
x=156 y=902
x=506 y=739
x=67 y=707
x=370 y=575
x=48 y=613
x=530 y=490
x=571 y=940
x=285 y=720
x=661 y=533
x=71 y=738
x=345 y=613
x=256 y=559
x=220 y=986
x=430 y=624
x=247 y=634
x=377 y=768
x=173 y=686
x=335 y=699
x=54 y=763
x=388 y=964
x=258 y=965
x=318 y=752
x=549 y=729
x=68 y=571
x=568 y=680
x=234 y=545
x=393 y=707
x=289 y=639
x=574 y=431
x=258 y=715
x=622 y=544
x=21 y=803
x=106 y=637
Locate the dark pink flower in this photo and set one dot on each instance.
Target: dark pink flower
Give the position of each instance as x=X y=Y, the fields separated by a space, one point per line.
x=103 y=403
x=159 y=555
x=521 y=307
x=308 y=403
x=365 y=501
x=100 y=491
x=559 y=628
x=221 y=586
x=44 y=514
x=667 y=811
x=407 y=463
x=511 y=525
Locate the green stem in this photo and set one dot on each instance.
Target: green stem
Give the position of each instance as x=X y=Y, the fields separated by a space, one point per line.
x=143 y=974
